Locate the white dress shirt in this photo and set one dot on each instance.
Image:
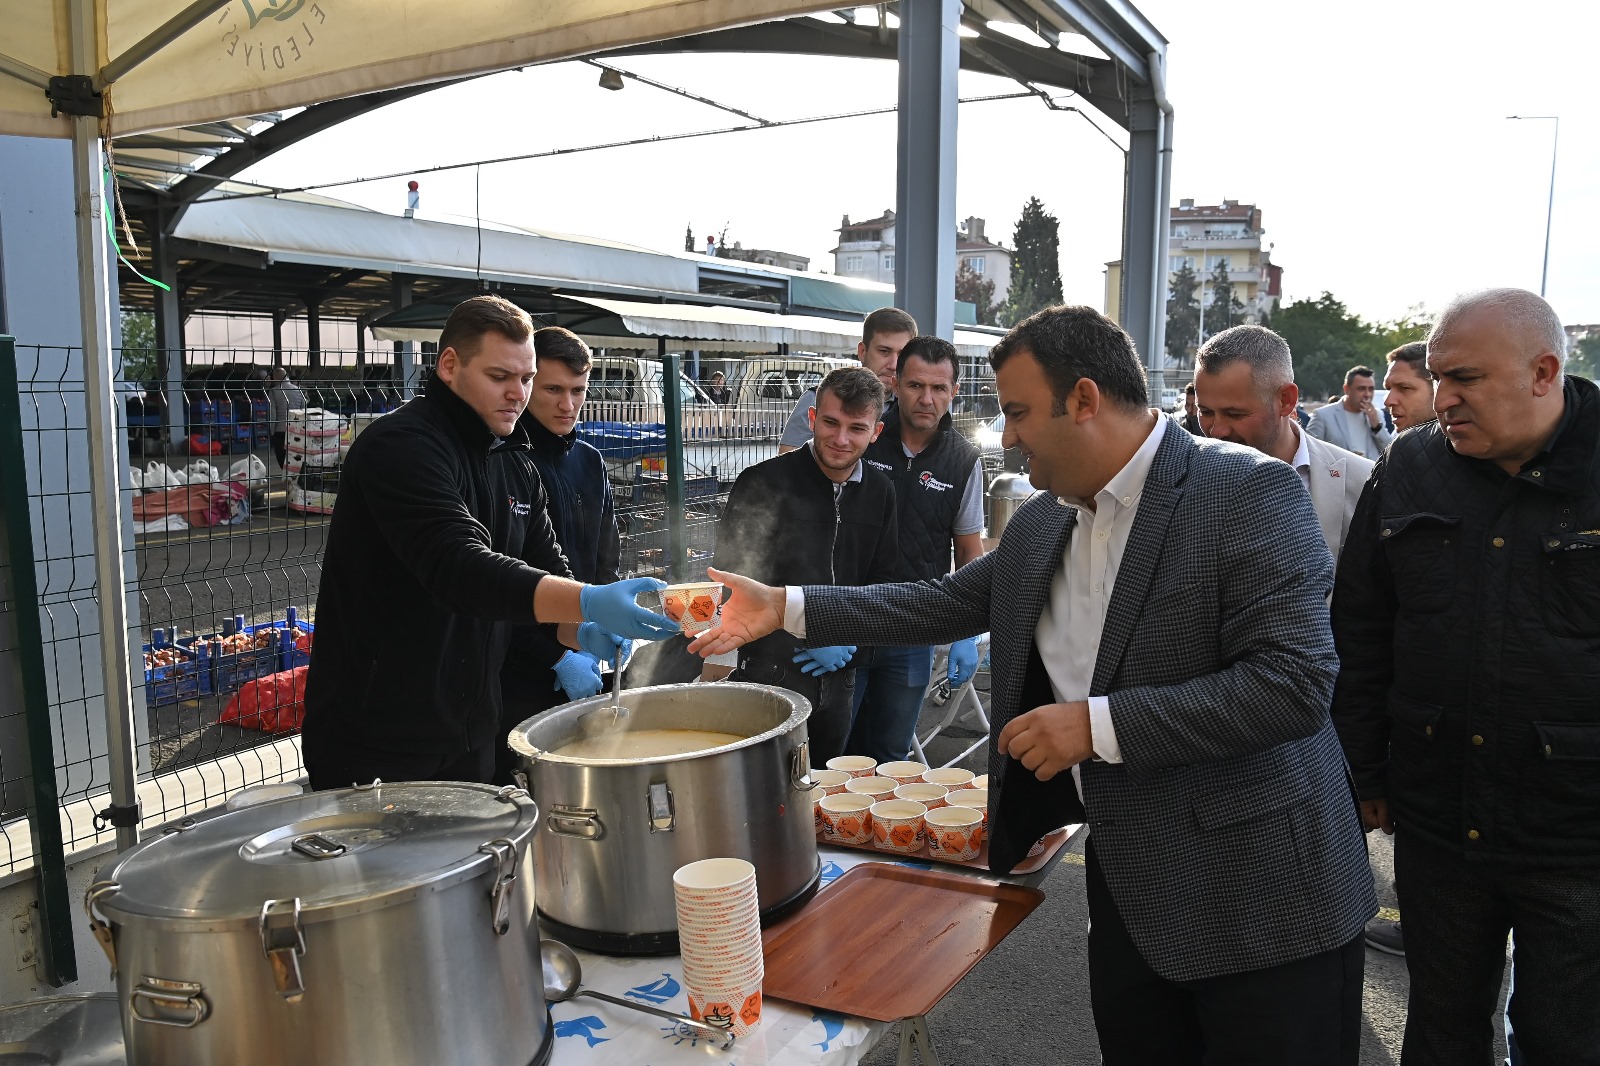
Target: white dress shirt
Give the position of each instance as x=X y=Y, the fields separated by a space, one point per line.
x=1302 y=455
x=1068 y=633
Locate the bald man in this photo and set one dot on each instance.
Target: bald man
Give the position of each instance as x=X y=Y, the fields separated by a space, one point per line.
x=1466 y=614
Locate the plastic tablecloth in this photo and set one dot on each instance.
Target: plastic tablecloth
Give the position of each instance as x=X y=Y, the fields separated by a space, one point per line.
x=592 y=1031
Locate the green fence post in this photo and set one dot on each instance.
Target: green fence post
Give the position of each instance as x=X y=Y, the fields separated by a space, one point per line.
x=53 y=939
x=672 y=402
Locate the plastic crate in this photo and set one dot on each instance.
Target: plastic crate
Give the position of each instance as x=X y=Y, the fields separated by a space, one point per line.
x=188 y=679
x=231 y=670
x=290 y=655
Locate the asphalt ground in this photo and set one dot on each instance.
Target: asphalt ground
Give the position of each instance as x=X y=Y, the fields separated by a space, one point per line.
x=1028 y=1000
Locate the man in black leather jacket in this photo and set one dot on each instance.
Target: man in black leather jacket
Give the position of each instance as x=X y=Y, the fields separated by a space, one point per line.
x=816 y=515
x=1466 y=614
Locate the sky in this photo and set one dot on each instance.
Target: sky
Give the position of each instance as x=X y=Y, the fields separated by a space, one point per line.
x=1372 y=135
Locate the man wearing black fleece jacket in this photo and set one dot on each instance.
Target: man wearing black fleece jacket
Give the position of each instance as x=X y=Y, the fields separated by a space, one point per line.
x=819 y=515
x=439 y=541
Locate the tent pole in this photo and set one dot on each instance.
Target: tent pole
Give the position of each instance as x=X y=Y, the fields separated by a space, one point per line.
x=94 y=301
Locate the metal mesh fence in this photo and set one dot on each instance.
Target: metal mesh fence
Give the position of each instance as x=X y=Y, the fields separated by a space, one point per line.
x=227 y=533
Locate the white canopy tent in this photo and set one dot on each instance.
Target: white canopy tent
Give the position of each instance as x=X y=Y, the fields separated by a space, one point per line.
x=88 y=69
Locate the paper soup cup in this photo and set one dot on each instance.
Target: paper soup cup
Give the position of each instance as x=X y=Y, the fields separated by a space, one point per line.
x=830 y=781
x=854 y=765
x=955 y=833
x=976 y=798
x=930 y=796
x=981 y=781
x=695 y=606
x=902 y=772
x=879 y=788
x=897 y=825
x=847 y=818
x=951 y=777
x=737 y=1009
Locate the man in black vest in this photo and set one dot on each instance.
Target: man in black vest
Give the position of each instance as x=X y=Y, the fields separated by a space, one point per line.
x=938 y=480
x=815 y=515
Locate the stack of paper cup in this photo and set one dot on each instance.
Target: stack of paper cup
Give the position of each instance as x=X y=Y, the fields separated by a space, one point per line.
x=719 y=930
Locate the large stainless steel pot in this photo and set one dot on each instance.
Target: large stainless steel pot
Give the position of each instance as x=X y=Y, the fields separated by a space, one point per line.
x=64 y=1031
x=387 y=924
x=615 y=829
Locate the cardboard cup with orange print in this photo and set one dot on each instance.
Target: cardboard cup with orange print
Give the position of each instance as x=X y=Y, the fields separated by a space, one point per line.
x=695 y=606
x=879 y=788
x=929 y=795
x=976 y=798
x=817 y=795
x=902 y=773
x=954 y=833
x=897 y=825
x=951 y=777
x=831 y=782
x=847 y=818
x=981 y=781
x=854 y=765
x=737 y=1009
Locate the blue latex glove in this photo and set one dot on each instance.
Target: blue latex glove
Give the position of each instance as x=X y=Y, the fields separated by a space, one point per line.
x=963 y=661
x=602 y=646
x=578 y=675
x=819 y=661
x=613 y=608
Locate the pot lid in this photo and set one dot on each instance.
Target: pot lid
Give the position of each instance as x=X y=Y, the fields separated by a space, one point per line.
x=350 y=849
x=65 y=1031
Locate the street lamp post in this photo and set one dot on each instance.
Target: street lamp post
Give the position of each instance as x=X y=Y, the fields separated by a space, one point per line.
x=1550 y=207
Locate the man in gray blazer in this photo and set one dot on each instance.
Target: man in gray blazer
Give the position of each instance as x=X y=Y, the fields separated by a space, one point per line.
x=1354 y=423
x=1244 y=385
x=1160 y=630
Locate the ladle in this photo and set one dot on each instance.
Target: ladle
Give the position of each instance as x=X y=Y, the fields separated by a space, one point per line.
x=563 y=975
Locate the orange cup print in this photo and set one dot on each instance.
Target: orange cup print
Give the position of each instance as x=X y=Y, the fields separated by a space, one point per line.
x=897 y=825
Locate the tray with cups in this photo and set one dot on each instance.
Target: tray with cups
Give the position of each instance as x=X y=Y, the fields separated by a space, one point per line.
x=913 y=811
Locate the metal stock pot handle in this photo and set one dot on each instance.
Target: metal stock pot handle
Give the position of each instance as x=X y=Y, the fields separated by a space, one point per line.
x=583 y=822
x=800 y=778
x=184 y=1005
x=97 y=925
x=283 y=942
x=504 y=852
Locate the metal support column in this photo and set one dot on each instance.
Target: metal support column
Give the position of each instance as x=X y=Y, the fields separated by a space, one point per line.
x=1146 y=214
x=53 y=940
x=672 y=404
x=405 y=352
x=313 y=330
x=94 y=299
x=925 y=185
x=279 y=317
x=169 y=330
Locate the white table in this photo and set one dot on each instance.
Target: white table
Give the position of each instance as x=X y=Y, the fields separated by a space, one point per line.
x=593 y=1031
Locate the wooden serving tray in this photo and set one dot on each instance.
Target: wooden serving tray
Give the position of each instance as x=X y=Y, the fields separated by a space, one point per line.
x=1052 y=842
x=887 y=942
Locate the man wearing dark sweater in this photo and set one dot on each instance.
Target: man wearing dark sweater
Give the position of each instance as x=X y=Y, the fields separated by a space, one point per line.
x=815 y=514
x=540 y=672
x=439 y=541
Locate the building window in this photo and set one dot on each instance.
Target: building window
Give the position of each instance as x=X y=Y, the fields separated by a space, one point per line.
x=888 y=262
x=974 y=263
x=852 y=262
x=1218 y=261
x=1178 y=262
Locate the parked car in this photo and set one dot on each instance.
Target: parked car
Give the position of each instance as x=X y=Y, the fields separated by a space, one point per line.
x=765 y=388
x=628 y=388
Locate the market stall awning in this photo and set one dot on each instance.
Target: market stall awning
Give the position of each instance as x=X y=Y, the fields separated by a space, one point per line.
x=638 y=324
x=163 y=64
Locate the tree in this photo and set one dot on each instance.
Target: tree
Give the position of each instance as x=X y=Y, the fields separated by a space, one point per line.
x=688 y=238
x=1326 y=340
x=1035 y=264
x=1585 y=358
x=1225 y=309
x=1183 y=315
x=1414 y=325
x=138 y=345
x=977 y=289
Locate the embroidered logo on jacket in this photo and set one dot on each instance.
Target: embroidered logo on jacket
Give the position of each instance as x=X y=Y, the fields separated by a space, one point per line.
x=880 y=466
x=521 y=509
x=933 y=483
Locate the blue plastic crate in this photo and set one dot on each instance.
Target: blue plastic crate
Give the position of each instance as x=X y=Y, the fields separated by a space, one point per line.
x=232 y=670
x=188 y=679
x=290 y=656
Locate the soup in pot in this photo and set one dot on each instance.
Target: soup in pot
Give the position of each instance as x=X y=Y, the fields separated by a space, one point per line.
x=646 y=744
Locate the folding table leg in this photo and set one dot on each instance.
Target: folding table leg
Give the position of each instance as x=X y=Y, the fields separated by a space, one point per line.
x=914 y=1035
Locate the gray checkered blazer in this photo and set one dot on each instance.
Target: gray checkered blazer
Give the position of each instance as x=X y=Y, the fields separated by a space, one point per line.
x=1229 y=837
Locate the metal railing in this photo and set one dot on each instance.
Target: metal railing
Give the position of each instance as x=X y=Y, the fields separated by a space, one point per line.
x=226 y=555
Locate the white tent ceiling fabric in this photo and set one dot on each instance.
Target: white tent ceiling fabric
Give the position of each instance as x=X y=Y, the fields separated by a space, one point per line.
x=254 y=56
